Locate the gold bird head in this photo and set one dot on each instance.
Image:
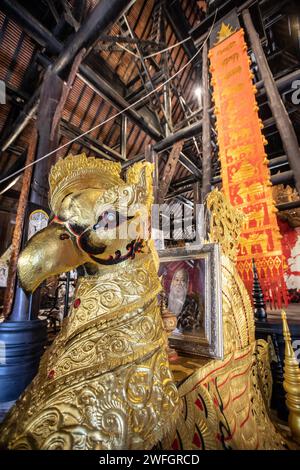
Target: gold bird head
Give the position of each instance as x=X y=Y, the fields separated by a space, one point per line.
x=98 y=218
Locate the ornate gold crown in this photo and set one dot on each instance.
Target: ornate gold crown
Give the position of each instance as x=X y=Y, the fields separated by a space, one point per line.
x=78 y=172
x=140 y=175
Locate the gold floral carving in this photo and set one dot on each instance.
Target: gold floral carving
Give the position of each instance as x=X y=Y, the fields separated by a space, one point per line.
x=225 y=223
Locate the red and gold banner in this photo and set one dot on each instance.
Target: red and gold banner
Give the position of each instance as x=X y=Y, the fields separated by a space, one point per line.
x=244 y=166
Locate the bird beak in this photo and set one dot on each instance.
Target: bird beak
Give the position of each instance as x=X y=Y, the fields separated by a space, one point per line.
x=51 y=251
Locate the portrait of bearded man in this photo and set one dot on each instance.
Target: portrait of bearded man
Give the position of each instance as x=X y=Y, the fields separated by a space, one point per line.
x=182 y=304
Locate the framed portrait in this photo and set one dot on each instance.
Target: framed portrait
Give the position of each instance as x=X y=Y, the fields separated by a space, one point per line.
x=191 y=278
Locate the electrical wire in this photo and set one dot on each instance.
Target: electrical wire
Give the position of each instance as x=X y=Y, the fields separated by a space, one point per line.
x=128 y=50
x=117 y=114
x=167 y=48
x=154 y=53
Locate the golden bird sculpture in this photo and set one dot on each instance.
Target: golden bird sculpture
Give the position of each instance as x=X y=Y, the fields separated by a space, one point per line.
x=105 y=382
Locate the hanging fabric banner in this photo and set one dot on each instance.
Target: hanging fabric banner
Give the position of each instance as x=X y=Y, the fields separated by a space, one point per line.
x=244 y=165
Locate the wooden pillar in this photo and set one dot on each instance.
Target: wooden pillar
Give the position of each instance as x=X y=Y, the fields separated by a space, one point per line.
x=54 y=93
x=197 y=193
x=206 y=142
x=51 y=92
x=169 y=171
x=154 y=226
x=53 y=96
x=199 y=215
x=18 y=230
x=123 y=145
x=283 y=122
x=152 y=157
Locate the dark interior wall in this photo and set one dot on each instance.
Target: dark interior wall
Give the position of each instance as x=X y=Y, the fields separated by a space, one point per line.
x=7 y=223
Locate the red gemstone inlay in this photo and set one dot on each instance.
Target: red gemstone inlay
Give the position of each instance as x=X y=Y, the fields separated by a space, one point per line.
x=197 y=440
x=77 y=302
x=51 y=374
x=199 y=404
x=175 y=445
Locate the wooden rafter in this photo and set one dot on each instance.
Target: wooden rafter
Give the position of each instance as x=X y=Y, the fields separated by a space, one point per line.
x=169 y=170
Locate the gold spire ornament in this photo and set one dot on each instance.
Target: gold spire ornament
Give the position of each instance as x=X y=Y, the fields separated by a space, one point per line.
x=170 y=323
x=225 y=31
x=291 y=383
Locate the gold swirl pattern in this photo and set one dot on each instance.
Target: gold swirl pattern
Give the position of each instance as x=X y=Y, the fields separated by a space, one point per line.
x=127 y=289
x=224 y=408
x=238 y=319
x=76 y=401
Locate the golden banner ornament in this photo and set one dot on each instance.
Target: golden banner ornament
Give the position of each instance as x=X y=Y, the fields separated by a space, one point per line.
x=244 y=166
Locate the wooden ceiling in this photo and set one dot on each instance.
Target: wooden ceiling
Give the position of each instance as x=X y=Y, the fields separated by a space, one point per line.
x=22 y=66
